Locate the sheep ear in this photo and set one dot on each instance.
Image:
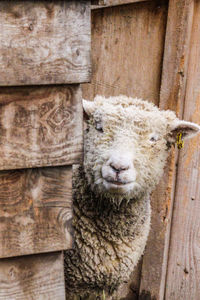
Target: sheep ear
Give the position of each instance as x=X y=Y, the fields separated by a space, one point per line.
x=88 y=107
x=188 y=130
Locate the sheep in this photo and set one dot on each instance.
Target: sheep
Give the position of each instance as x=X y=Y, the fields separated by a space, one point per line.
x=126 y=145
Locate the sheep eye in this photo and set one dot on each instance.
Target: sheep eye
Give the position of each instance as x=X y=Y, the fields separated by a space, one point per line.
x=99 y=127
x=153 y=138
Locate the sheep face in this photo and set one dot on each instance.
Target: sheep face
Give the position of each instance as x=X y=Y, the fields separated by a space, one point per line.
x=126 y=145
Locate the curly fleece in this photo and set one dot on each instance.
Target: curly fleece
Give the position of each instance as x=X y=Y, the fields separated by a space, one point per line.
x=111 y=228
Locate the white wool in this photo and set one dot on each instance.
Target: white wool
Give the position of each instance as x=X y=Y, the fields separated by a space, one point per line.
x=128 y=125
x=126 y=146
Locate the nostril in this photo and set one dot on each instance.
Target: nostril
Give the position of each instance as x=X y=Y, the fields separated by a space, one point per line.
x=118 y=168
x=114 y=168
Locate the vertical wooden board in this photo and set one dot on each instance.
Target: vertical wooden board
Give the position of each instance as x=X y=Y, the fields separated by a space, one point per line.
x=40 y=126
x=127 y=49
x=44 y=42
x=174 y=76
x=184 y=256
x=34 y=277
x=155 y=259
x=35 y=211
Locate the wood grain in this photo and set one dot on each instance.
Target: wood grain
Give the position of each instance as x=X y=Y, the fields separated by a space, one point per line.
x=184 y=255
x=40 y=126
x=127 y=49
x=174 y=76
x=44 y=42
x=108 y=3
x=34 y=277
x=121 y=41
x=35 y=211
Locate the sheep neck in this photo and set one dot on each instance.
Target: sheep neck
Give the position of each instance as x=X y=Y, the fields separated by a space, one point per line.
x=120 y=220
x=108 y=239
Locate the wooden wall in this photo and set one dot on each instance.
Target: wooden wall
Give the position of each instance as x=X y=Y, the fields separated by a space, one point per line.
x=151 y=50
x=38 y=277
x=183 y=274
x=44 y=45
x=141 y=48
x=44 y=42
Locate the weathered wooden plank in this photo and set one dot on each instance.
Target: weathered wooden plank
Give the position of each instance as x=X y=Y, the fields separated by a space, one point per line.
x=153 y=281
x=34 y=277
x=108 y=3
x=127 y=49
x=35 y=210
x=44 y=42
x=40 y=126
x=184 y=255
x=126 y=34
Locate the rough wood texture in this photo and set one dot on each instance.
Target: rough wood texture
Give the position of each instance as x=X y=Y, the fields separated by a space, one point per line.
x=121 y=41
x=35 y=277
x=35 y=211
x=184 y=255
x=40 y=126
x=108 y=3
x=153 y=280
x=123 y=64
x=44 y=42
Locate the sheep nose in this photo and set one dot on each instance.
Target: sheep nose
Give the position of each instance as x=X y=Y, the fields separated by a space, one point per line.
x=118 y=168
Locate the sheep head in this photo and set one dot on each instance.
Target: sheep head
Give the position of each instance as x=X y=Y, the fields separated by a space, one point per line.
x=126 y=145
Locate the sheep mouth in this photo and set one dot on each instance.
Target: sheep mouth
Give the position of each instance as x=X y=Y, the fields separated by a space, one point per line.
x=117 y=182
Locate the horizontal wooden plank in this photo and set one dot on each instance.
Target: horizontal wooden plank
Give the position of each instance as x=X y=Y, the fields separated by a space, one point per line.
x=108 y=3
x=35 y=210
x=44 y=42
x=34 y=277
x=40 y=126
